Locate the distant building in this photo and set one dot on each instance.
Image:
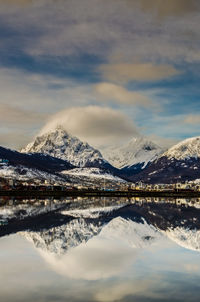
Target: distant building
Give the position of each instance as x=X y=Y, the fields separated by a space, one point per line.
x=4 y=161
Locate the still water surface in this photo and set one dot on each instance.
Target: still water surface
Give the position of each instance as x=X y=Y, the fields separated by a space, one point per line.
x=100 y=250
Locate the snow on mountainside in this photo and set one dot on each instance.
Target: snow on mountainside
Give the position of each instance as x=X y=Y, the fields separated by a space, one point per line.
x=41 y=166
x=59 y=240
x=30 y=166
x=27 y=210
x=138 y=151
x=79 y=231
x=24 y=174
x=189 y=239
x=180 y=163
x=137 y=235
x=67 y=228
x=94 y=173
x=96 y=212
x=58 y=143
x=189 y=148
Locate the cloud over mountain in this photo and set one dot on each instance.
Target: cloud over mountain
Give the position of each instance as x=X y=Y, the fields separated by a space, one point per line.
x=94 y=124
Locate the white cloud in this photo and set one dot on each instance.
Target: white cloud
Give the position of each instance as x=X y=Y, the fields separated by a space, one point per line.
x=108 y=28
x=119 y=94
x=26 y=100
x=119 y=291
x=34 y=97
x=15 y=139
x=94 y=124
x=192 y=119
x=42 y=93
x=99 y=258
x=125 y=72
x=10 y=115
x=165 y=143
x=171 y=8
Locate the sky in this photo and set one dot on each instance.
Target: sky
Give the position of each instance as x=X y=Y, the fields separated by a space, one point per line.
x=106 y=70
x=143 y=274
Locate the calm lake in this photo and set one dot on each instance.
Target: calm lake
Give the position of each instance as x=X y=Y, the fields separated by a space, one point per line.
x=99 y=250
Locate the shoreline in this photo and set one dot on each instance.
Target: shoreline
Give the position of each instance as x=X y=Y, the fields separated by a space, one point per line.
x=98 y=193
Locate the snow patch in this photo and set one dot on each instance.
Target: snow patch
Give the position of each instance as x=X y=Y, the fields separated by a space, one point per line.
x=138 y=151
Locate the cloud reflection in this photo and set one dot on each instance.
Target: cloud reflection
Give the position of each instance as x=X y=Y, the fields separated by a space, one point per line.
x=106 y=255
x=99 y=258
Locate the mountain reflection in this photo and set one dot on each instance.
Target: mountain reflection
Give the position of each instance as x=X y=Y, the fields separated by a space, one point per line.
x=59 y=226
x=100 y=250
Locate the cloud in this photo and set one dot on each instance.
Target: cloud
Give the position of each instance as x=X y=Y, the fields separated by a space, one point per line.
x=94 y=124
x=27 y=99
x=98 y=259
x=125 y=72
x=170 y=8
x=15 y=2
x=104 y=28
x=165 y=143
x=119 y=291
x=40 y=92
x=91 y=33
x=192 y=119
x=15 y=139
x=15 y=116
x=112 y=92
x=17 y=125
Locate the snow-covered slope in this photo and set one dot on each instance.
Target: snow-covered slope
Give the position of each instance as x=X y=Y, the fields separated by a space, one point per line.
x=29 y=210
x=31 y=166
x=60 y=239
x=180 y=163
x=124 y=224
x=189 y=148
x=23 y=173
x=137 y=235
x=93 y=173
x=189 y=239
x=58 y=143
x=139 y=151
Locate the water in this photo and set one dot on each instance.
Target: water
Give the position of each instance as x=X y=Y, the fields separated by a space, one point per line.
x=100 y=250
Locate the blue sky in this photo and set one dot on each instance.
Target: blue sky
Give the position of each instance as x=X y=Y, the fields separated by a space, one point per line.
x=130 y=64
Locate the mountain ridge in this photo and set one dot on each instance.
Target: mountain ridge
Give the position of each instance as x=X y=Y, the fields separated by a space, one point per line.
x=179 y=163
x=60 y=144
x=134 y=156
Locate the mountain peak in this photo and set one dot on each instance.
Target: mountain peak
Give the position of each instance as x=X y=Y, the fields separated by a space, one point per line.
x=59 y=130
x=58 y=143
x=188 y=148
x=180 y=163
x=139 y=150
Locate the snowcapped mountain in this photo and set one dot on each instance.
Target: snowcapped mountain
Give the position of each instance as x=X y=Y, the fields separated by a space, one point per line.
x=180 y=163
x=58 y=143
x=137 y=235
x=133 y=156
x=60 y=227
x=59 y=240
x=189 y=239
x=30 y=166
x=84 y=225
x=187 y=149
x=78 y=231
